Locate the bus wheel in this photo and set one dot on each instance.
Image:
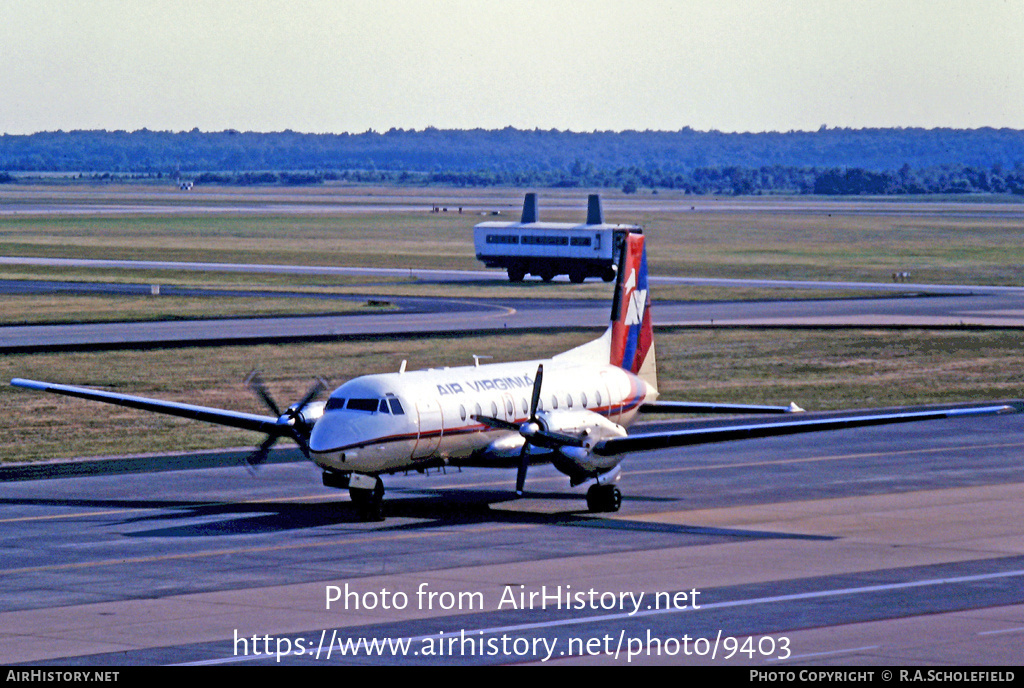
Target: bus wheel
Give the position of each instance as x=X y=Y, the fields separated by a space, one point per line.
x=516 y=274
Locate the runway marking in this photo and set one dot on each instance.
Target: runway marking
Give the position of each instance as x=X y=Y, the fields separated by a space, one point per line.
x=203 y=505
x=255 y=550
x=825 y=654
x=602 y=618
x=86 y=514
x=1002 y=632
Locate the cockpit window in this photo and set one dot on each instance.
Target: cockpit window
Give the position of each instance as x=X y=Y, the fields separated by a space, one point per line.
x=388 y=404
x=363 y=405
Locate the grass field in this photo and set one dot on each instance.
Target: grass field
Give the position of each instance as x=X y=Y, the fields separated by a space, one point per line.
x=820 y=370
x=783 y=238
x=862 y=240
x=776 y=238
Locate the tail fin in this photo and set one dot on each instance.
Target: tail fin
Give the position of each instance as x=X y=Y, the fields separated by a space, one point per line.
x=632 y=335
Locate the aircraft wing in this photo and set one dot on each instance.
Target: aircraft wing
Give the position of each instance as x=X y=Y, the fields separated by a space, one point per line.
x=696 y=407
x=234 y=419
x=738 y=431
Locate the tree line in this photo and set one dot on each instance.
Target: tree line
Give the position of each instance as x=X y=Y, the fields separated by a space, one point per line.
x=828 y=161
x=730 y=181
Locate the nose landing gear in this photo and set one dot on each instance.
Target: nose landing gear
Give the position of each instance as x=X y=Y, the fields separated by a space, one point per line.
x=369 y=503
x=366 y=492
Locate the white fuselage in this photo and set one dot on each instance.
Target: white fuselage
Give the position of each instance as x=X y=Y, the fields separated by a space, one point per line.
x=395 y=421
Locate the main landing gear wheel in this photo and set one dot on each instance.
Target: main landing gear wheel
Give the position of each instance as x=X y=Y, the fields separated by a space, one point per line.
x=604 y=498
x=369 y=503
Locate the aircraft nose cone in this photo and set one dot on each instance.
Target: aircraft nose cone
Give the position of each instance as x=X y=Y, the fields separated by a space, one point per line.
x=328 y=435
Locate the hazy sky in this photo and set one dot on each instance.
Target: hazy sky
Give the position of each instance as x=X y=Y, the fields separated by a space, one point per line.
x=353 y=65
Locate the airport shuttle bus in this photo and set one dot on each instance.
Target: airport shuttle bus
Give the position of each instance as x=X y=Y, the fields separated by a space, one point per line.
x=548 y=249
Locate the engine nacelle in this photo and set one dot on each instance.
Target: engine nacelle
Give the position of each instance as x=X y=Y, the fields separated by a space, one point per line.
x=579 y=462
x=308 y=415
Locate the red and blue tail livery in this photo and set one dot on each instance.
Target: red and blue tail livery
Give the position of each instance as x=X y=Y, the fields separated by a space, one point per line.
x=632 y=345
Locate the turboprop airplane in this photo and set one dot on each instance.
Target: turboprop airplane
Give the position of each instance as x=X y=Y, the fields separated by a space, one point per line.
x=571 y=410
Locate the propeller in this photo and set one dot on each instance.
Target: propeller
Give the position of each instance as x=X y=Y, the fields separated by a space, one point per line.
x=291 y=421
x=534 y=431
x=528 y=430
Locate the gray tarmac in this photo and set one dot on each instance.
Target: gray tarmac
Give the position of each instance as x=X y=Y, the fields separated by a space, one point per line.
x=910 y=306
x=501 y=315
x=879 y=546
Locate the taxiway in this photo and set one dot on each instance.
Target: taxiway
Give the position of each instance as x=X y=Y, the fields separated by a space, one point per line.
x=932 y=307
x=881 y=546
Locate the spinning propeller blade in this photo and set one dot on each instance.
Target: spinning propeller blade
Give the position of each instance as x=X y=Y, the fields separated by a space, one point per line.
x=534 y=432
x=531 y=423
x=291 y=421
x=255 y=382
